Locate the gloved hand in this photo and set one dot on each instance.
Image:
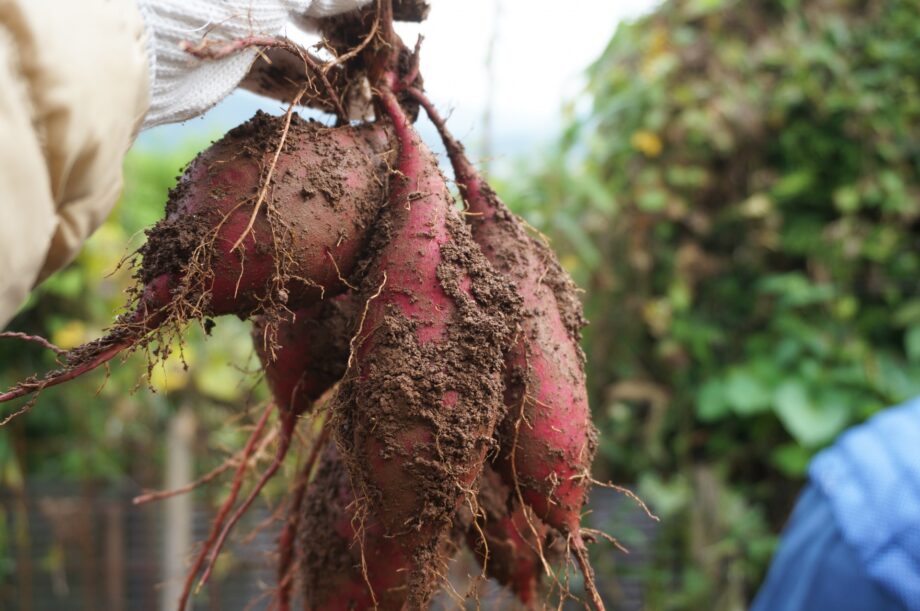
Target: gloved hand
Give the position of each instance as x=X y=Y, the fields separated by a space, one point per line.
x=183 y=87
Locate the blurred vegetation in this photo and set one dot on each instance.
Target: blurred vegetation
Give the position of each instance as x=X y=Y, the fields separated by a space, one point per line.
x=108 y=428
x=737 y=192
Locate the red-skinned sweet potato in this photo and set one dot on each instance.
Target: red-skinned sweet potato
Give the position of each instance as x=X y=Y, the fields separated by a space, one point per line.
x=323 y=196
x=347 y=562
x=324 y=193
x=548 y=440
x=307 y=353
x=423 y=392
x=303 y=357
x=511 y=544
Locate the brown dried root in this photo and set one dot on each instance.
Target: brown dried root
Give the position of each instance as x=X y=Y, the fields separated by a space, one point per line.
x=225 y=508
x=34 y=338
x=629 y=493
x=577 y=545
x=263 y=192
x=126 y=334
x=233 y=461
x=288 y=423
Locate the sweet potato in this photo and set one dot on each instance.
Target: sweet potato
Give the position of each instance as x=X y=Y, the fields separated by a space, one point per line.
x=511 y=544
x=326 y=189
x=323 y=196
x=303 y=357
x=547 y=439
x=423 y=392
x=251 y=227
x=307 y=353
x=347 y=562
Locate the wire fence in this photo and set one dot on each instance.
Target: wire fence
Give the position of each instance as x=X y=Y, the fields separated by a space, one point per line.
x=66 y=547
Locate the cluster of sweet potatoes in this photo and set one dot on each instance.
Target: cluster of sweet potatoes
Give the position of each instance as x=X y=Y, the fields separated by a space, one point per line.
x=449 y=341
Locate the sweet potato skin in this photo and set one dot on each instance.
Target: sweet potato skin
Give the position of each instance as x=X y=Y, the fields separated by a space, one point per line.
x=322 y=198
x=423 y=393
x=508 y=542
x=335 y=543
x=313 y=224
x=306 y=354
x=547 y=439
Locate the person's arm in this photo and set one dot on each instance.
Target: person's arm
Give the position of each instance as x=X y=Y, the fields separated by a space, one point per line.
x=73 y=92
x=184 y=87
x=77 y=81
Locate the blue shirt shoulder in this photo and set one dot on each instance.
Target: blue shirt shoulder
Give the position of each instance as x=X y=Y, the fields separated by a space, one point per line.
x=871 y=476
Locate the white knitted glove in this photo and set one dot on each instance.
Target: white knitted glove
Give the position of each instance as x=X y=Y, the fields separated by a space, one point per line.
x=181 y=86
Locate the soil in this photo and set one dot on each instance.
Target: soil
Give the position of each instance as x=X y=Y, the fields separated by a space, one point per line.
x=331 y=557
x=324 y=551
x=336 y=541
x=415 y=419
x=322 y=199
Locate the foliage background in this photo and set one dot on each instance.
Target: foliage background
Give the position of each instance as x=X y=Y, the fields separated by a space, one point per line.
x=737 y=193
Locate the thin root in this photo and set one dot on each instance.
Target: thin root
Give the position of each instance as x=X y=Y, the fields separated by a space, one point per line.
x=34 y=338
x=288 y=422
x=628 y=493
x=225 y=508
x=581 y=556
x=263 y=192
x=205 y=479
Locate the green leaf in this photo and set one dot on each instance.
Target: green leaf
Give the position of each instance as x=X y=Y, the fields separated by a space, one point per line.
x=710 y=401
x=810 y=423
x=793 y=185
x=652 y=200
x=912 y=343
x=746 y=394
x=846 y=199
x=66 y=283
x=792 y=459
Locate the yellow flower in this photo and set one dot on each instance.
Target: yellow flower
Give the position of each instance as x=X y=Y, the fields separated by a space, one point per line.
x=646 y=142
x=70 y=335
x=569 y=263
x=172 y=374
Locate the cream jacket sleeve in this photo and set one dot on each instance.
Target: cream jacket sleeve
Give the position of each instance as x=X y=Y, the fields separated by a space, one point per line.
x=73 y=92
x=78 y=78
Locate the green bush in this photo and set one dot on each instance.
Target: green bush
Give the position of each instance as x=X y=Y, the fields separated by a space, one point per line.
x=740 y=202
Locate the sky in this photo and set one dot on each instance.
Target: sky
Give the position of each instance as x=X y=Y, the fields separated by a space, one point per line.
x=542 y=48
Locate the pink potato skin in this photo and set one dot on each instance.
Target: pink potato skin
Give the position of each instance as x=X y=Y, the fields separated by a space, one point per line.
x=325 y=192
x=333 y=540
x=513 y=539
x=311 y=352
x=420 y=200
x=423 y=392
x=548 y=440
